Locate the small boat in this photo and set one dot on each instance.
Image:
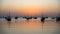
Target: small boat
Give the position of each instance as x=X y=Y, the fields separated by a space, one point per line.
x=43 y=19
x=35 y=17
x=16 y=17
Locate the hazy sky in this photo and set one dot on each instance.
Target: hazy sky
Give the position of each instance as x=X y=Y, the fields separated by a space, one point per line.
x=29 y=7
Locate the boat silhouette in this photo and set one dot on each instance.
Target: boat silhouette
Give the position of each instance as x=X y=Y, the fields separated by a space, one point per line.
x=53 y=17
x=46 y=17
x=16 y=17
x=8 y=18
x=42 y=19
x=58 y=17
x=35 y=17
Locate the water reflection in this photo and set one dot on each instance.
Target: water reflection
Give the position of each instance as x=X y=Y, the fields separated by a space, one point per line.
x=33 y=26
x=9 y=23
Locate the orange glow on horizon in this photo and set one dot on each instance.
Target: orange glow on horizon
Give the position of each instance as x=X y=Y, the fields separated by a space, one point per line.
x=30 y=7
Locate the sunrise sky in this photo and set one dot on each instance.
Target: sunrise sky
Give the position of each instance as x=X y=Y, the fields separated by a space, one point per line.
x=29 y=7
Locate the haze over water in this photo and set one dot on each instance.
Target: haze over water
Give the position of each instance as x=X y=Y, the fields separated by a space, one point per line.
x=22 y=26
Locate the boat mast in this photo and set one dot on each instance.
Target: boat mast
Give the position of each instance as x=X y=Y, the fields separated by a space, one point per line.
x=0 y=6
x=59 y=8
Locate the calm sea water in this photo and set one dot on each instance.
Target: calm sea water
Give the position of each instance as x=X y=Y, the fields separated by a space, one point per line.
x=33 y=26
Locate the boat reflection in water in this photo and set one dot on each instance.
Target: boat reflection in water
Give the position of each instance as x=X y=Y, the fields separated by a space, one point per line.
x=34 y=26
